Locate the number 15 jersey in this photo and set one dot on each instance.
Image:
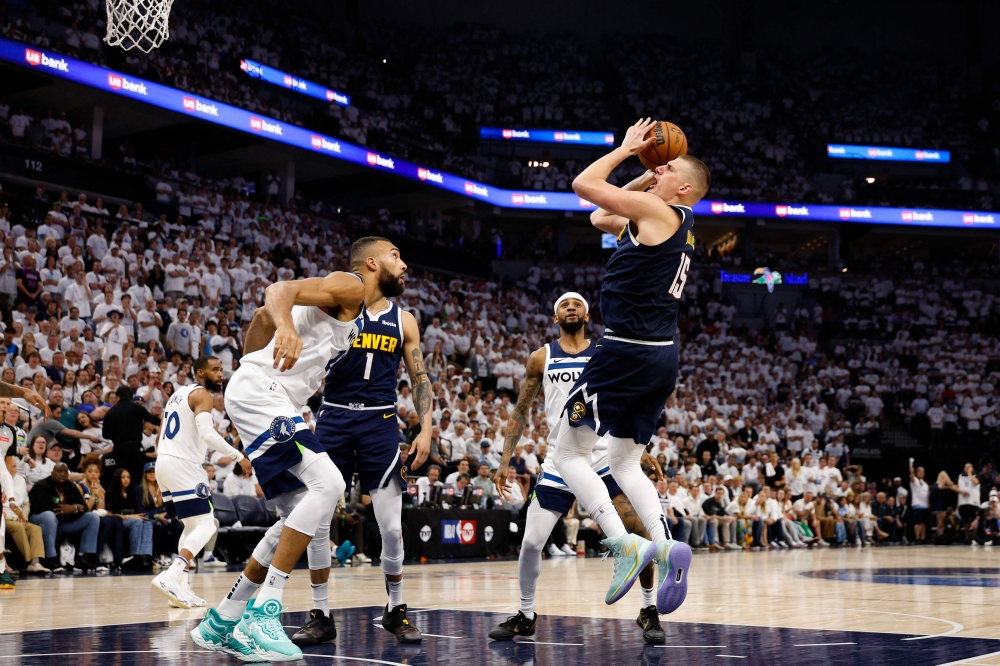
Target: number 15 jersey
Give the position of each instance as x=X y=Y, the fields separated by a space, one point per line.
x=366 y=376
x=643 y=284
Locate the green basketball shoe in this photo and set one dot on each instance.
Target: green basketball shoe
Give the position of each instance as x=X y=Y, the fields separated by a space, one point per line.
x=632 y=554
x=260 y=630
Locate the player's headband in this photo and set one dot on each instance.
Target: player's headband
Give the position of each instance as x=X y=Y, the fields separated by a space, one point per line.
x=568 y=295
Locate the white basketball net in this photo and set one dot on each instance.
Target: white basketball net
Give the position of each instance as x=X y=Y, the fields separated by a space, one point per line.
x=141 y=24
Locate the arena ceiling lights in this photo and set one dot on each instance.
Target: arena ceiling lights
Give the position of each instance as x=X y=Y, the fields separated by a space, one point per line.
x=209 y=110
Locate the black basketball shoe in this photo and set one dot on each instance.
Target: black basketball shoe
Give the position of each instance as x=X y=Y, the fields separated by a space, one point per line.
x=649 y=622
x=515 y=625
x=395 y=622
x=319 y=629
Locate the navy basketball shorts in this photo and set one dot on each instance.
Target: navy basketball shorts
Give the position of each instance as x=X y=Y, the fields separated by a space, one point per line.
x=560 y=500
x=623 y=389
x=365 y=441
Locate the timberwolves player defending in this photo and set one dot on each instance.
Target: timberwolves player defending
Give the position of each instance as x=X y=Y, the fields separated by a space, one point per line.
x=634 y=367
x=304 y=328
x=357 y=427
x=187 y=433
x=555 y=367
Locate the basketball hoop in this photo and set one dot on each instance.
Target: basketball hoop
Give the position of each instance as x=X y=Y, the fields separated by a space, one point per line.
x=141 y=24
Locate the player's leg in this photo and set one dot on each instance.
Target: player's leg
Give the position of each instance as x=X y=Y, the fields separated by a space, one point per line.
x=334 y=428
x=631 y=552
x=538 y=524
x=387 y=503
x=649 y=618
x=6 y=580
x=186 y=497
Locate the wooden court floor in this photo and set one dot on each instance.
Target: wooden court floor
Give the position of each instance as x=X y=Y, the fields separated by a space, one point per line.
x=928 y=593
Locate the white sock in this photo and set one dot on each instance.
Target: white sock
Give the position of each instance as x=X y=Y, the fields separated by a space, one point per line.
x=321 y=597
x=273 y=585
x=395 y=593
x=185 y=579
x=607 y=517
x=3 y=566
x=648 y=598
x=528 y=606
x=235 y=603
x=176 y=567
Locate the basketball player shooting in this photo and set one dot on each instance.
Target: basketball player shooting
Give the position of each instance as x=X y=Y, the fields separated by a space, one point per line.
x=633 y=370
x=554 y=368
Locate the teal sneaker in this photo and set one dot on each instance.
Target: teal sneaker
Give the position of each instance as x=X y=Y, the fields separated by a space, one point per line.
x=673 y=559
x=261 y=632
x=215 y=633
x=632 y=554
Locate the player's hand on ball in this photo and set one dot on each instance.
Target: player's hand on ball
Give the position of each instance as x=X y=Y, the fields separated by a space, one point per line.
x=634 y=141
x=246 y=467
x=287 y=347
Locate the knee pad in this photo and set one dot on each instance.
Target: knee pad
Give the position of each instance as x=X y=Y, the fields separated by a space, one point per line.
x=264 y=550
x=322 y=478
x=197 y=532
x=388 y=506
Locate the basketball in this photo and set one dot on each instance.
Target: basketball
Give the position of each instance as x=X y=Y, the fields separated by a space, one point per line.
x=670 y=143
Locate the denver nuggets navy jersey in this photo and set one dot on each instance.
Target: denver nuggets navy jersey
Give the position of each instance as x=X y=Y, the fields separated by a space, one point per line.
x=366 y=376
x=644 y=283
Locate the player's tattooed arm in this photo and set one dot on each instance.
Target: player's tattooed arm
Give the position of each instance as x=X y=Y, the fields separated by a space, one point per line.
x=421 y=384
x=519 y=417
x=11 y=391
x=422 y=394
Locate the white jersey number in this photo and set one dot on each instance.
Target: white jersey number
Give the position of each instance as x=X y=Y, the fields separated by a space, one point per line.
x=368 y=366
x=677 y=288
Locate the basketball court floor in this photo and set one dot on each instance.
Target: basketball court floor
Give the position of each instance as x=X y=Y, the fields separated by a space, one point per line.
x=888 y=606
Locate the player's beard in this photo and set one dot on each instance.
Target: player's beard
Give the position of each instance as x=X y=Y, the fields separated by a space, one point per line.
x=571 y=326
x=390 y=285
x=214 y=387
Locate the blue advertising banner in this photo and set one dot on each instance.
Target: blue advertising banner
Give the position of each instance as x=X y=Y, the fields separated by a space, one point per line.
x=279 y=78
x=549 y=136
x=242 y=120
x=848 y=152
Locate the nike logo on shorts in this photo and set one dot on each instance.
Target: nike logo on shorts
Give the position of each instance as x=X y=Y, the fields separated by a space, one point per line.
x=388 y=416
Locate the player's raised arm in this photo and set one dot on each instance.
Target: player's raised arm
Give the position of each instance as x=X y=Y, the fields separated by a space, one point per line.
x=519 y=418
x=422 y=397
x=613 y=224
x=200 y=402
x=335 y=290
x=26 y=394
x=639 y=207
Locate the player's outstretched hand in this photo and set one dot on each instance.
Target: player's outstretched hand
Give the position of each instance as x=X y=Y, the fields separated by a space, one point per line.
x=33 y=398
x=503 y=480
x=287 y=347
x=650 y=461
x=246 y=467
x=422 y=448
x=634 y=139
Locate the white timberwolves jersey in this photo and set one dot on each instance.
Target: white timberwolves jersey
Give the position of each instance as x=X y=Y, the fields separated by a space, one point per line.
x=180 y=437
x=561 y=372
x=324 y=342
